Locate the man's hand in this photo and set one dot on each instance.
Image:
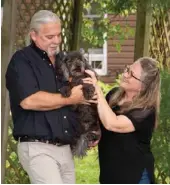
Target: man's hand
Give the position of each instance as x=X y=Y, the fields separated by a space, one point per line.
x=77 y=95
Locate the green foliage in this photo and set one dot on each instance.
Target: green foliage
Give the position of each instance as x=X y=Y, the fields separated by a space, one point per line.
x=165 y=4
x=87 y=169
x=106 y=87
x=117 y=6
x=161 y=139
x=96 y=31
x=126 y=6
x=14 y=173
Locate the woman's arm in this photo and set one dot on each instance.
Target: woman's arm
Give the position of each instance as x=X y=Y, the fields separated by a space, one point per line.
x=109 y=119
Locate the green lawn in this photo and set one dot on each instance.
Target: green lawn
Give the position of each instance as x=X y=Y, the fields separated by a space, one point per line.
x=87 y=169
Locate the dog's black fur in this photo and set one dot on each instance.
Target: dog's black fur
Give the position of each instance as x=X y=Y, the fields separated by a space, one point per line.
x=72 y=66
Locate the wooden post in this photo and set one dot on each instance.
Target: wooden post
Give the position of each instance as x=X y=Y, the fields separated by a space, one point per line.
x=142 y=35
x=77 y=22
x=8 y=39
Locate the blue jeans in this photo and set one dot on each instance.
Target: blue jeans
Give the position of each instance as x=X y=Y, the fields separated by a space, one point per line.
x=145 y=178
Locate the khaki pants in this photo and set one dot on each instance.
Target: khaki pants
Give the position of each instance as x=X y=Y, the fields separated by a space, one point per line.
x=47 y=163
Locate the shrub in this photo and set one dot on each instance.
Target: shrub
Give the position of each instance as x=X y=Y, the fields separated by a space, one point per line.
x=161 y=138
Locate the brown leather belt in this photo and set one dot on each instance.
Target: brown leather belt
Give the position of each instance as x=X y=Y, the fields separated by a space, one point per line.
x=47 y=141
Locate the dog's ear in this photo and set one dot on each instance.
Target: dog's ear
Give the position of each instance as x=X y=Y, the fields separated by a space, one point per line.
x=61 y=68
x=87 y=65
x=60 y=56
x=65 y=71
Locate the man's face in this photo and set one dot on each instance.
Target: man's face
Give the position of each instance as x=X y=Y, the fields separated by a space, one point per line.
x=48 y=38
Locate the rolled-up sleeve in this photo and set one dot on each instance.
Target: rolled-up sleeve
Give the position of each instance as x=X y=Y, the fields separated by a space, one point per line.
x=20 y=78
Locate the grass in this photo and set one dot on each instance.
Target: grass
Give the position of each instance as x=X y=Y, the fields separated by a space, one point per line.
x=87 y=169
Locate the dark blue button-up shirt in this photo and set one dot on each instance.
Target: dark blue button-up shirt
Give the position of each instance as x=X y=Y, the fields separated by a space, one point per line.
x=29 y=71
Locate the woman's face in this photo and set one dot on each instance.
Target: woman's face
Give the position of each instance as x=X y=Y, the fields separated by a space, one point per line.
x=131 y=79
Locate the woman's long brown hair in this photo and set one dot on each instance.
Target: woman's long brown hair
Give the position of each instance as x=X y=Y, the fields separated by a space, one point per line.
x=149 y=96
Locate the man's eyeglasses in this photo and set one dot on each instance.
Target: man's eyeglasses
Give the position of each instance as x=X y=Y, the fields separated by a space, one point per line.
x=130 y=73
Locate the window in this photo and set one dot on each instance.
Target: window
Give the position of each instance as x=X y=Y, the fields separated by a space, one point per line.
x=98 y=59
x=97 y=55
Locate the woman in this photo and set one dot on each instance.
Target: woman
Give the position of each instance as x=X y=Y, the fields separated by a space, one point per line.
x=128 y=116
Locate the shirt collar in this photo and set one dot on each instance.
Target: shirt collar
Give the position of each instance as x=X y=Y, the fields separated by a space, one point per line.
x=42 y=53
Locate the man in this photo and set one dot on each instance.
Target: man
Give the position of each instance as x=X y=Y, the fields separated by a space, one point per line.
x=44 y=124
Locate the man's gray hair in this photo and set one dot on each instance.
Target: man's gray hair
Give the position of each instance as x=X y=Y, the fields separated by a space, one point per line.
x=43 y=17
x=39 y=18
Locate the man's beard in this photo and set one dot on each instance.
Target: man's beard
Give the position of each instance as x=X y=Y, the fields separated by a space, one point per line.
x=54 y=52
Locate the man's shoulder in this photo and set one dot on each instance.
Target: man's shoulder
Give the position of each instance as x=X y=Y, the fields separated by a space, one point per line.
x=19 y=55
x=18 y=59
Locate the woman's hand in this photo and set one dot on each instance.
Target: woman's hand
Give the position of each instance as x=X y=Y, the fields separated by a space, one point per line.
x=93 y=78
x=93 y=100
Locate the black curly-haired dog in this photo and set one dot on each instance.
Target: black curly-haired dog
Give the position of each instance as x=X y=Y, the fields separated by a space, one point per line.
x=72 y=66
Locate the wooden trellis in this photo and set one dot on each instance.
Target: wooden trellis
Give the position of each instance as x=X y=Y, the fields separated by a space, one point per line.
x=160 y=37
x=159 y=48
x=26 y=8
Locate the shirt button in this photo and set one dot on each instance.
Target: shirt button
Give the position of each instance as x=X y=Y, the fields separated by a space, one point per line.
x=58 y=89
x=65 y=117
x=50 y=64
x=44 y=52
x=66 y=131
x=43 y=58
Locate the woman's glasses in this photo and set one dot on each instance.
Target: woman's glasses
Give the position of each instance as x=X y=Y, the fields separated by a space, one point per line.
x=130 y=73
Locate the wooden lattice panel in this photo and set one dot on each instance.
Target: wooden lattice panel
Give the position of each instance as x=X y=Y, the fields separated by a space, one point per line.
x=160 y=50
x=14 y=171
x=25 y=10
x=160 y=37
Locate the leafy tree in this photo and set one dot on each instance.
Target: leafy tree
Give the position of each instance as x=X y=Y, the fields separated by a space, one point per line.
x=95 y=31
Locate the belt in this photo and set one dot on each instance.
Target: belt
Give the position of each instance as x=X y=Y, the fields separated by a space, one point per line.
x=47 y=141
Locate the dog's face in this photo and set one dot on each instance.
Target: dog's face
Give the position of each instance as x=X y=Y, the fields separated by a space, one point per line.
x=74 y=65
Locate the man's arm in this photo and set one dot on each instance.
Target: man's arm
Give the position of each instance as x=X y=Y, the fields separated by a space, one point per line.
x=43 y=101
x=24 y=88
